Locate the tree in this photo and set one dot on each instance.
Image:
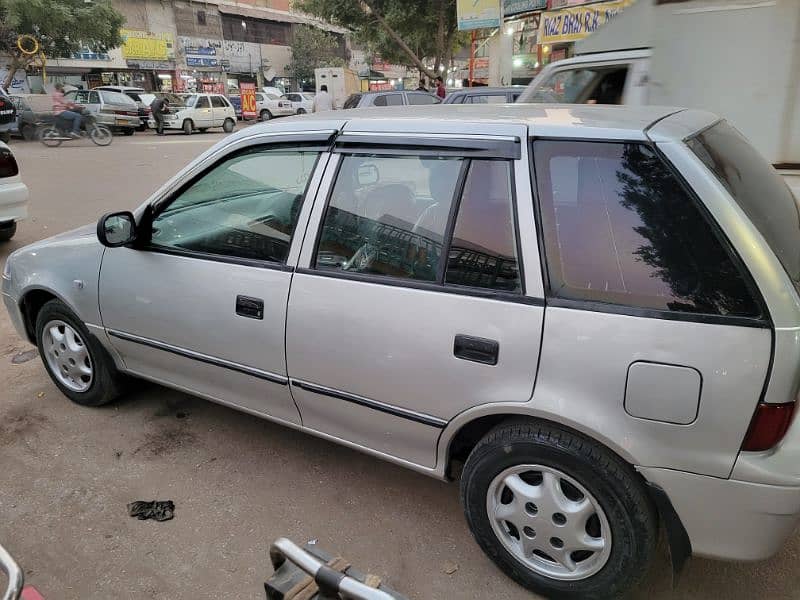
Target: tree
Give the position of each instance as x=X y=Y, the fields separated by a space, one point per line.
x=61 y=27
x=313 y=48
x=402 y=31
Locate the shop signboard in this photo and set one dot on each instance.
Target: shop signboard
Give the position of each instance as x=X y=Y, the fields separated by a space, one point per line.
x=477 y=14
x=248 y=91
x=147 y=45
x=201 y=61
x=515 y=7
x=575 y=23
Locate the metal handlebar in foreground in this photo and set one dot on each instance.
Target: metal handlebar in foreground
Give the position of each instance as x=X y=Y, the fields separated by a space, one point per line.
x=15 y=576
x=325 y=577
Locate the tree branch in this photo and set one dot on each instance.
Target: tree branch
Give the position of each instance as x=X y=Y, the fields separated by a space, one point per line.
x=398 y=40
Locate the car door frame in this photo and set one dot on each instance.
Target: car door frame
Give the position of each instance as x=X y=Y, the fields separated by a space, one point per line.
x=307 y=138
x=446 y=139
x=202 y=119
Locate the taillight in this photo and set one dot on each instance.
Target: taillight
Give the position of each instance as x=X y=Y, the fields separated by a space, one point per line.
x=8 y=164
x=768 y=426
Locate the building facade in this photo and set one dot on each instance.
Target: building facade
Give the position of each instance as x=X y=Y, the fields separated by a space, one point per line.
x=185 y=45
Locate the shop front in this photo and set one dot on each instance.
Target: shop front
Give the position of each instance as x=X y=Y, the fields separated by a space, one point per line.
x=573 y=21
x=150 y=61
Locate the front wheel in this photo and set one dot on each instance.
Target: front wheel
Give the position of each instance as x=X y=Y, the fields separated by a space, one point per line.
x=101 y=135
x=188 y=126
x=301 y=111
x=51 y=137
x=228 y=125
x=560 y=514
x=76 y=362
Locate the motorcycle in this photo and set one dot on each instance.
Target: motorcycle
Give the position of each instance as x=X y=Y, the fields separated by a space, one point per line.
x=59 y=132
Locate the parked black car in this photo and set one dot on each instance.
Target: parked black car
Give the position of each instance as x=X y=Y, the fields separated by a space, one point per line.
x=485 y=95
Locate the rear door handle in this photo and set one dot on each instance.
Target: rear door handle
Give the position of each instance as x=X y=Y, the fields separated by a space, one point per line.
x=252 y=308
x=475 y=349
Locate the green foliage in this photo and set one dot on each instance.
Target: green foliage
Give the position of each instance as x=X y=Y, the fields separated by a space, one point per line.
x=313 y=48
x=428 y=28
x=61 y=26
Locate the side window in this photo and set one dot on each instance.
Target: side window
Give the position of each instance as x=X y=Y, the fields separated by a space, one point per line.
x=422 y=99
x=598 y=85
x=246 y=207
x=620 y=228
x=202 y=102
x=379 y=101
x=489 y=99
x=94 y=98
x=394 y=100
x=218 y=102
x=483 y=252
x=81 y=97
x=388 y=216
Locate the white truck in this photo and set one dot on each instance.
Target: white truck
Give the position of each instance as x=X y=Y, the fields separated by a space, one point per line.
x=739 y=59
x=341 y=83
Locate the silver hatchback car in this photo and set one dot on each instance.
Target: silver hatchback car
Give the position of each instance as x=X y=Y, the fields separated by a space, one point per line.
x=588 y=315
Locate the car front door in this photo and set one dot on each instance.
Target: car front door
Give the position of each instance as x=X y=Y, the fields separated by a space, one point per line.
x=201 y=304
x=203 y=115
x=410 y=305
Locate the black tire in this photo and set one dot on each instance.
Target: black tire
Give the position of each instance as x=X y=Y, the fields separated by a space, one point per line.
x=188 y=127
x=611 y=481
x=301 y=111
x=228 y=125
x=28 y=132
x=265 y=115
x=7 y=231
x=128 y=131
x=50 y=137
x=5 y=137
x=101 y=135
x=106 y=384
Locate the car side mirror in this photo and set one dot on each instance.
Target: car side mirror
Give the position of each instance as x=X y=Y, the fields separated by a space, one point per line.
x=116 y=229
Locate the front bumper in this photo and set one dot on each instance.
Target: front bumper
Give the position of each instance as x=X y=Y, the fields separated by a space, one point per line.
x=14 y=312
x=13 y=202
x=730 y=519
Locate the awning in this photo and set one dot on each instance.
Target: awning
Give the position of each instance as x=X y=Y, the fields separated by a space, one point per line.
x=281 y=16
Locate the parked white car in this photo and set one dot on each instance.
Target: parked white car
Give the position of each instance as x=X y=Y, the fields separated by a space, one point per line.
x=271 y=105
x=13 y=194
x=200 y=111
x=302 y=102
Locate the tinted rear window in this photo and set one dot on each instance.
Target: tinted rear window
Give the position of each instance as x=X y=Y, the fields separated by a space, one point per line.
x=352 y=101
x=758 y=190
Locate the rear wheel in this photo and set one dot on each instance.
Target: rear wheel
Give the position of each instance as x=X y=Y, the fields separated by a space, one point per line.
x=560 y=514
x=101 y=135
x=51 y=137
x=7 y=230
x=5 y=136
x=28 y=132
x=188 y=127
x=228 y=125
x=76 y=362
x=128 y=131
x=266 y=115
x=301 y=111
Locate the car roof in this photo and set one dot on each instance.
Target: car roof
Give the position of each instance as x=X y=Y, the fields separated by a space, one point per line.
x=544 y=120
x=489 y=90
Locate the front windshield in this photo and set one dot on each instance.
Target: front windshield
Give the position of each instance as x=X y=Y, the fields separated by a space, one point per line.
x=189 y=101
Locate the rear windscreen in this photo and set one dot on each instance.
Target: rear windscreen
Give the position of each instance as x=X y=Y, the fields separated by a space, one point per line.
x=756 y=187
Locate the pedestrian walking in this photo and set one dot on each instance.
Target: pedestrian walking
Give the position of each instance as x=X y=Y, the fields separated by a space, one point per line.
x=421 y=87
x=440 y=89
x=159 y=107
x=322 y=101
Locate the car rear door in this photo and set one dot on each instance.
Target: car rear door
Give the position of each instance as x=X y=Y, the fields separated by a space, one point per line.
x=415 y=298
x=201 y=304
x=220 y=110
x=202 y=114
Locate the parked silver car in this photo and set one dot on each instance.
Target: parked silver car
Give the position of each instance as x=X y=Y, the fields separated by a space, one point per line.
x=112 y=109
x=587 y=314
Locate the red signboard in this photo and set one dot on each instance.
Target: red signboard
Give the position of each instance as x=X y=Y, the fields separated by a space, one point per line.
x=248 y=91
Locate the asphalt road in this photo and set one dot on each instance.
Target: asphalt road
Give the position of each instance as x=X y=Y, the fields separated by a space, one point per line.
x=67 y=473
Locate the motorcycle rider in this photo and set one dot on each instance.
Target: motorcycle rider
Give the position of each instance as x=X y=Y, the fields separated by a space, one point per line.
x=66 y=110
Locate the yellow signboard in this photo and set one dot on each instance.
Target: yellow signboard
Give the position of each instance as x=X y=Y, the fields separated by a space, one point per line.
x=575 y=23
x=145 y=45
x=477 y=14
